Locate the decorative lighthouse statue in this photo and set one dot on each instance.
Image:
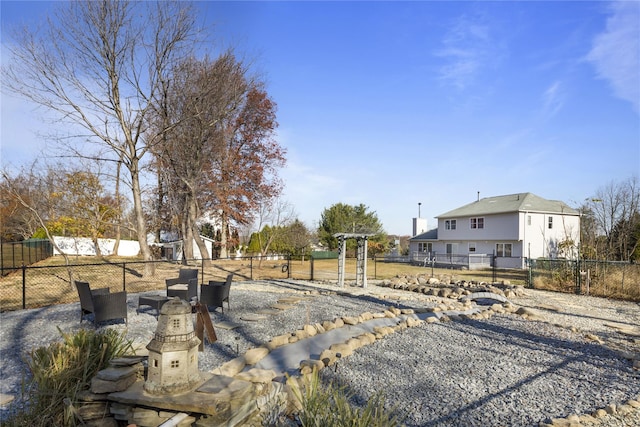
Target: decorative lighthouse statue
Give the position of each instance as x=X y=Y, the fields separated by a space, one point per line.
x=173 y=351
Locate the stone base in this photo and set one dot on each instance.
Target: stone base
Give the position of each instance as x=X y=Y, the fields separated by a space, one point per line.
x=216 y=395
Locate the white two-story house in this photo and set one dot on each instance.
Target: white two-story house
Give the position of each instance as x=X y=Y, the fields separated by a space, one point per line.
x=503 y=231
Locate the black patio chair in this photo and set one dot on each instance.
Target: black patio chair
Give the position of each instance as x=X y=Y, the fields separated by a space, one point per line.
x=185 y=286
x=102 y=303
x=216 y=293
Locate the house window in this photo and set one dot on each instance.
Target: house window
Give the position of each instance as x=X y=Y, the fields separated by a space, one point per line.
x=550 y=222
x=450 y=224
x=452 y=248
x=424 y=246
x=477 y=223
x=472 y=247
x=528 y=219
x=175 y=364
x=503 y=249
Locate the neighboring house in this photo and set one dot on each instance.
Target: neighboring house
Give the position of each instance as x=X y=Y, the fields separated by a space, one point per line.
x=510 y=228
x=172 y=250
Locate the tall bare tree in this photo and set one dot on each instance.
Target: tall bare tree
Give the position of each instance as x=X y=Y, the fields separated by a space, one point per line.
x=100 y=66
x=615 y=209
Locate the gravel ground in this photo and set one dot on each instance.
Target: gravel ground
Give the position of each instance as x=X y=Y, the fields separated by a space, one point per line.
x=499 y=372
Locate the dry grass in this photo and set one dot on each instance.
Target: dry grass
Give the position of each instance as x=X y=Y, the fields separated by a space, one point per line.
x=608 y=280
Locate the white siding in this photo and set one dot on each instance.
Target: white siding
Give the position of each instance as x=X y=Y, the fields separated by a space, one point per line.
x=542 y=242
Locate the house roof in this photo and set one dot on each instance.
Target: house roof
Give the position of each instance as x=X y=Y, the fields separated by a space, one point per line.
x=427 y=235
x=520 y=202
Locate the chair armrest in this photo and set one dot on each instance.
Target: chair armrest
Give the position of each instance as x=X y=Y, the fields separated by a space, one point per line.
x=174 y=281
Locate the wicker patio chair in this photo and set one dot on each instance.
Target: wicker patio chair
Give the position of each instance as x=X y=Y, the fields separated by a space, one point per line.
x=216 y=293
x=110 y=306
x=185 y=285
x=101 y=302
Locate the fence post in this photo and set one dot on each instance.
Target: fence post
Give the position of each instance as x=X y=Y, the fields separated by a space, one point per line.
x=289 y=266
x=494 y=273
x=251 y=267
x=124 y=275
x=311 y=264
x=578 y=273
x=24 y=286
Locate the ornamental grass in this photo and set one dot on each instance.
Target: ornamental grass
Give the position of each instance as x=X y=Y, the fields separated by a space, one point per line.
x=58 y=372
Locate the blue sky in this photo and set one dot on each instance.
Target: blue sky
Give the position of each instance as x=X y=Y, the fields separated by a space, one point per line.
x=391 y=104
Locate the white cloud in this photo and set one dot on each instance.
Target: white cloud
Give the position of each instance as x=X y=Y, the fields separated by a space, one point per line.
x=553 y=99
x=466 y=49
x=615 y=53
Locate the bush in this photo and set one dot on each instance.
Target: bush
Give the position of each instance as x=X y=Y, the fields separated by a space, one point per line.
x=60 y=371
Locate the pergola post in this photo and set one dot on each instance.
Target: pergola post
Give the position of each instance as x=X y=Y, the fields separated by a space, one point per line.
x=361 y=261
x=361 y=257
x=342 y=252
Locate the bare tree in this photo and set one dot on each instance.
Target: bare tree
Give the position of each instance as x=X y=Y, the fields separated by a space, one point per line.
x=16 y=219
x=99 y=65
x=90 y=207
x=274 y=216
x=38 y=195
x=615 y=210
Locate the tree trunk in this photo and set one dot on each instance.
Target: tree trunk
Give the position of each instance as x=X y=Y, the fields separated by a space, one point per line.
x=187 y=230
x=193 y=215
x=224 y=236
x=141 y=226
x=96 y=244
x=116 y=245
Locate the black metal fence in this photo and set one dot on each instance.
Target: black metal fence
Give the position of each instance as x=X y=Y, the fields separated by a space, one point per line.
x=611 y=279
x=28 y=286
x=35 y=286
x=27 y=252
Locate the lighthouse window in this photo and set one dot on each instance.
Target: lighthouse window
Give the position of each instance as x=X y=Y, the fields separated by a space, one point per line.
x=176 y=323
x=175 y=363
x=155 y=363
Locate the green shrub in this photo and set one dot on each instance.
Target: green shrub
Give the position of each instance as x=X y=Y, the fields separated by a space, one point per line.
x=330 y=407
x=61 y=370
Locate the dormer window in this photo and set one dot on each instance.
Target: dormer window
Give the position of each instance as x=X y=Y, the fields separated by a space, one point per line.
x=450 y=224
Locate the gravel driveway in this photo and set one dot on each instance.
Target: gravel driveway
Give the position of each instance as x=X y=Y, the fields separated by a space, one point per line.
x=500 y=371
